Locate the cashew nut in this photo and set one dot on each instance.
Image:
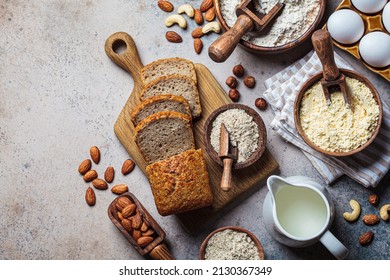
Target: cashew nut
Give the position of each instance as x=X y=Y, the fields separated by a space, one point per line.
x=354 y=215
x=384 y=212
x=186 y=8
x=211 y=26
x=180 y=20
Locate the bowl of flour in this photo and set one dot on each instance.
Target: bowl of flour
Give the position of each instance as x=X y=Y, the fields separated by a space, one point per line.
x=291 y=27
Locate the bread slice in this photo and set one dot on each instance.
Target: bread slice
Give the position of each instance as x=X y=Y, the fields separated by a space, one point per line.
x=160 y=103
x=168 y=66
x=164 y=134
x=177 y=85
x=180 y=183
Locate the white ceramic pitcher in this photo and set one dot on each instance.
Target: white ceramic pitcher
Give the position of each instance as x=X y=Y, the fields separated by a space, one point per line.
x=298 y=212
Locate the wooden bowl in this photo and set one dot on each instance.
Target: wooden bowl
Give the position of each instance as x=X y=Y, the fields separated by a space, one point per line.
x=261 y=129
x=202 y=250
x=315 y=79
x=273 y=50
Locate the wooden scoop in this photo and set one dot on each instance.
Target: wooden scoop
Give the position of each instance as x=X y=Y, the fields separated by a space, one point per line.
x=249 y=19
x=228 y=155
x=332 y=76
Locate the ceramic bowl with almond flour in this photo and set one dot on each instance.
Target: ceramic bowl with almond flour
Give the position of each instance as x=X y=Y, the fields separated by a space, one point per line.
x=293 y=25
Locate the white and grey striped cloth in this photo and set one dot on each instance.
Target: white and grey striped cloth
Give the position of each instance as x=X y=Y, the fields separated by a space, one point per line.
x=367 y=167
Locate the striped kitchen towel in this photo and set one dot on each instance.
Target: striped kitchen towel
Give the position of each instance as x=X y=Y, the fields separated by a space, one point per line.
x=367 y=167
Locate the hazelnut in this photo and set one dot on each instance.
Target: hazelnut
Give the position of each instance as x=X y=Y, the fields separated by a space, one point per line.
x=249 y=81
x=234 y=95
x=231 y=82
x=261 y=103
x=373 y=199
x=238 y=70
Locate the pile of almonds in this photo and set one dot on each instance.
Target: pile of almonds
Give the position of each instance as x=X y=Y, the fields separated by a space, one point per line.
x=206 y=11
x=90 y=175
x=131 y=219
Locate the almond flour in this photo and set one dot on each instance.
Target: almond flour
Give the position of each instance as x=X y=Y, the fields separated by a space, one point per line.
x=336 y=127
x=295 y=19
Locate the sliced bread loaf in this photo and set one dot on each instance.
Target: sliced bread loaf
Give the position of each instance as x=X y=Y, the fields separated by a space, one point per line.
x=164 y=134
x=160 y=103
x=168 y=66
x=177 y=85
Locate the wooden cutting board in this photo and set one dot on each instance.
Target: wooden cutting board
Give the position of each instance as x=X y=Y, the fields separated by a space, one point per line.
x=212 y=96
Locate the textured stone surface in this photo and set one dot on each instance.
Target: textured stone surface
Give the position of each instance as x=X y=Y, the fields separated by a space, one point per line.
x=60 y=94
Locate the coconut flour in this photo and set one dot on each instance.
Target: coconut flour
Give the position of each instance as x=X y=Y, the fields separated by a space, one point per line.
x=295 y=19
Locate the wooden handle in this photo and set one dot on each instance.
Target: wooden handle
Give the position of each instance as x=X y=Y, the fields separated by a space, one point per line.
x=223 y=47
x=323 y=46
x=161 y=252
x=129 y=60
x=226 y=182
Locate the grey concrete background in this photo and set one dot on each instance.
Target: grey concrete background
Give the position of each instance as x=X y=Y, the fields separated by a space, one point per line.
x=60 y=94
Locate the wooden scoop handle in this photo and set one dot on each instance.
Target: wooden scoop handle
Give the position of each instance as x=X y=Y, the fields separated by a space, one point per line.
x=226 y=182
x=161 y=252
x=223 y=47
x=323 y=46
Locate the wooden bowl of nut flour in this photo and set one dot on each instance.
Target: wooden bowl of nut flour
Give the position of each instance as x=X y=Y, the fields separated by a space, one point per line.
x=246 y=131
x=231 y=243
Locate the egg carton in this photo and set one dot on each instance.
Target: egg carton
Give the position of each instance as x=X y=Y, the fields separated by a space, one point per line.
x=372 y=22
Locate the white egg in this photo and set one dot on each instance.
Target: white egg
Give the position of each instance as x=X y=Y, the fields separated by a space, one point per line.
x=374 y=48
x=369 y=6
x=345 y=26
x=386 y=17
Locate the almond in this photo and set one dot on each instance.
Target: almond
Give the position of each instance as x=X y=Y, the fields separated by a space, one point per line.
x=127 y=166
x=373 y=199
x=198 y=17
x=197 y=33
x=144 y=227
x=136 y=221
x=198 y=45
x=95 y=154
x=90 y=175
x=166 y=6
x=136 y=234
x=210 y=14
x=119 y=214
x=118 y=207
x=206 y=4
x=370 y=219
x=144 y=241
x=109 y=174
x=100 y=184
x=173 y=37
x=126 y=224
x=123 y=201
x=90 y=197
x=119 y=189
x=129 y=210
x=149 y=232
x=366 y=238
x=85 y=166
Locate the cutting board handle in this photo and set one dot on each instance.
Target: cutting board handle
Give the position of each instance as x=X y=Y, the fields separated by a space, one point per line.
x=129 y=59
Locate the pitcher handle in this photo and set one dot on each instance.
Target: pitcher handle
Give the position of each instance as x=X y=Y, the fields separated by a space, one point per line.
x=334 y=245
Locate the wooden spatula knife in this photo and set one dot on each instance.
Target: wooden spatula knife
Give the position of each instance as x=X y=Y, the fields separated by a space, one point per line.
x=228 y=154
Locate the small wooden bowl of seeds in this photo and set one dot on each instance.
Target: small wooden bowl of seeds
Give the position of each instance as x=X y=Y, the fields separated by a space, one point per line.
x=246 y=131
x=231 y=243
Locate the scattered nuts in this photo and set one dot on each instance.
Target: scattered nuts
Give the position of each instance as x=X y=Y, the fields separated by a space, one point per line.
x=176 y=19
x=210 y=14
x=250 y=81
x=173 y=37
x=144 y=241
x=198 y=17
x=129 y=210
x=90 y=197
x=370 y=219
x=373 y=199
x=126 y=224
x=261 y=103
x=188 y=9
x=90 y=175
x=119 y=189
x=198 y=45
x=231 y=82
x=85 y=166
x=109 y=174
x=99 y=184
x=127 y=166
x=211 y=27
x=197 y=33
x=354 y=215
x=234 y=95
x=166 y=6
x=95 y=154
x=206 y=4
x=238 y=70
x=366 y=238
x=384 y=212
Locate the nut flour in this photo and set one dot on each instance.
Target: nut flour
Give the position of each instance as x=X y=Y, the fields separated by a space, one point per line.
x=294 y=20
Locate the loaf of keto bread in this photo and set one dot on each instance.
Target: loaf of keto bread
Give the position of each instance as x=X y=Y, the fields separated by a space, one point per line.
x=180 y=183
